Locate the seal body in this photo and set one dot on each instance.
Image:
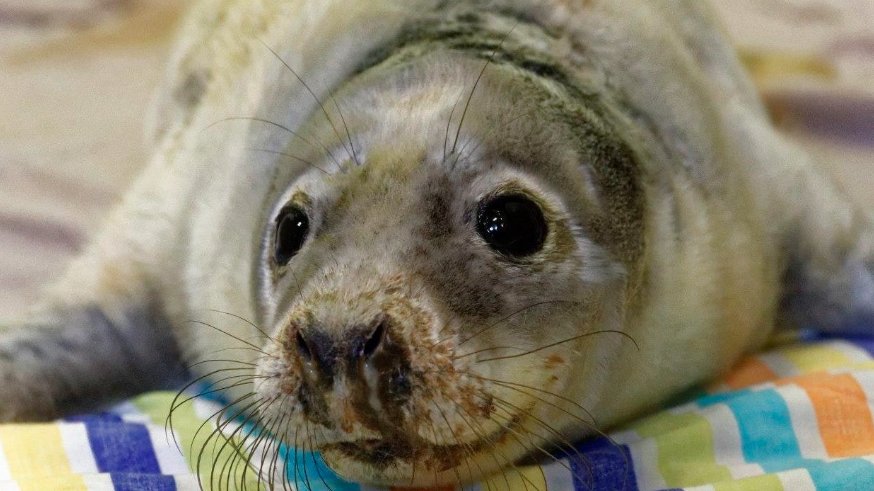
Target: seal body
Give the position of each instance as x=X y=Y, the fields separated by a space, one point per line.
x=432 y=238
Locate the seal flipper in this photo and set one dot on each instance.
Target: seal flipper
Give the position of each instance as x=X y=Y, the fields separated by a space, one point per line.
x=829 y=277
x=77 y=359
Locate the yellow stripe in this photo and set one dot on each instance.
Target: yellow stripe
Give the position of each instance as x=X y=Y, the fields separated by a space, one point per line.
x=814 y=358
x=529 y=478
x=35 y=452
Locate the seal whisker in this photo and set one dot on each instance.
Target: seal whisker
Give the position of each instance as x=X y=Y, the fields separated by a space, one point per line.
x=271 y=442
x=247 y=343
x=168 y=422
x=318 y=467
x=289 y=155
x=557 y=343
x=252 y=447
x=348 y=134
x=476 y=84
x=532 y=441
x=218 y=414
x=448 y=124
x=231 y=444
x=247 y=321
x=591 y=425
x=515 y=386
x=240 y=432
x=245 y=380
x=563 y=442
x=508 y=317
x=238 y=348
x=244 y=456
x=454 y=436
x=468 y=448
x=315 y=97
x=493 y=452
x=282 y=127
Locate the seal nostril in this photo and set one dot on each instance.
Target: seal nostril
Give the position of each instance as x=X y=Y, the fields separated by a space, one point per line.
x=374 y=340
x=303 y=347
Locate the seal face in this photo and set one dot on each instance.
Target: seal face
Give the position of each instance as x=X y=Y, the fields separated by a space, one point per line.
x=431 y=294
x=436 y=238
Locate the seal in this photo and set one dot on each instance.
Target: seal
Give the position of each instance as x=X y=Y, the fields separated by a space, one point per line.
x=431 y=238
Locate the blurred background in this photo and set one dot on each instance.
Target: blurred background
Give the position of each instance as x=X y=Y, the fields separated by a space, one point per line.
x=77 y=76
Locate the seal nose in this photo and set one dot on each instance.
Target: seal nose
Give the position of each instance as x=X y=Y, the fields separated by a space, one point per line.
x=326 y=353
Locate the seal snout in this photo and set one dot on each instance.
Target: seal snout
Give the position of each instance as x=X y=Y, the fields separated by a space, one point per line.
x=326 y=353
x=355 y=375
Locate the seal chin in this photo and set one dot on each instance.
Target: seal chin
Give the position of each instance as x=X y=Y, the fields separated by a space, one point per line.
x=398 y=462
x=388 y=463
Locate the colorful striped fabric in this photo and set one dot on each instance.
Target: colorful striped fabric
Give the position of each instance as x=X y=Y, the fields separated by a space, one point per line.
x=798 y=417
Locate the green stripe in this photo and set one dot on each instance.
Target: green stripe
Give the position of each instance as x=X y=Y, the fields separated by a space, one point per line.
x=768 y=482
x=185 y=425
x=685 y=449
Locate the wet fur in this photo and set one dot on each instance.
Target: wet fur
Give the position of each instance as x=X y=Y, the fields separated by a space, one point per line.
x=680 y=222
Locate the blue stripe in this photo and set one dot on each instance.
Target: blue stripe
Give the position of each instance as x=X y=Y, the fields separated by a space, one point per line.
x=602 y=465
x=143 y=482
x=121 y=447
x=842 y=475
x=85 y=418
x=767 y=437
x=864 y=342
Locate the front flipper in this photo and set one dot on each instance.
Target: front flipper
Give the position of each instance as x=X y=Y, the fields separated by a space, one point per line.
x=829 y=278
x=78 y=359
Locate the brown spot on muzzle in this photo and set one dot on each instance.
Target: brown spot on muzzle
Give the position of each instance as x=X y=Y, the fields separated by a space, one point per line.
x=391 y=362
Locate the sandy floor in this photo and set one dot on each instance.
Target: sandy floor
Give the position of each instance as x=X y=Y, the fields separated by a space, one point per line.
x=76 y=78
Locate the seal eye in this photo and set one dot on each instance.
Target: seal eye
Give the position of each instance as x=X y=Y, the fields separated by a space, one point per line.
x=292 y=226
x=512 y=225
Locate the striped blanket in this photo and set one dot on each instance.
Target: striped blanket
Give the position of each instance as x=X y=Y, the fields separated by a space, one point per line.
x=796 y=418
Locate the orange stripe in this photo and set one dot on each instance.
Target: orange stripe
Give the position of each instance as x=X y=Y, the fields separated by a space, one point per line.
x=842 y=412
x=751 y=371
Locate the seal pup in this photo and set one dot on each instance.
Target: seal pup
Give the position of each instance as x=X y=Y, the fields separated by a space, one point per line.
x=431 y=238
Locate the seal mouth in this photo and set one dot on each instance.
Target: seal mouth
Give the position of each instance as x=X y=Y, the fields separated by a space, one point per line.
x=381 y=453
x=375 y=452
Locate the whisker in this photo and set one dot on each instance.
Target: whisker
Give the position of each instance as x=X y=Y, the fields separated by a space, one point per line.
x=508 y=317
x=348 y=134
x=247 y=321
x=476 y=84
x=562 y=440
x=316 y=463
x=514 y=386
x=313 y=94
x=173 y=406
x=279 y=126
x=552 y=345
x=230 y=443
x=256 y=348
x=466 y=445
x=200 y=453
x=251 y=449
x=488 y=438
x=449 y=123
x=591 y=425
x=291 y=156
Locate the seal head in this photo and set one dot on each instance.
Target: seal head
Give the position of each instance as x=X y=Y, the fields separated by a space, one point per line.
x=431 y=297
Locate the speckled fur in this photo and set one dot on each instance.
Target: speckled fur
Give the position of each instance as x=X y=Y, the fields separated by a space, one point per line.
x=677 y=218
